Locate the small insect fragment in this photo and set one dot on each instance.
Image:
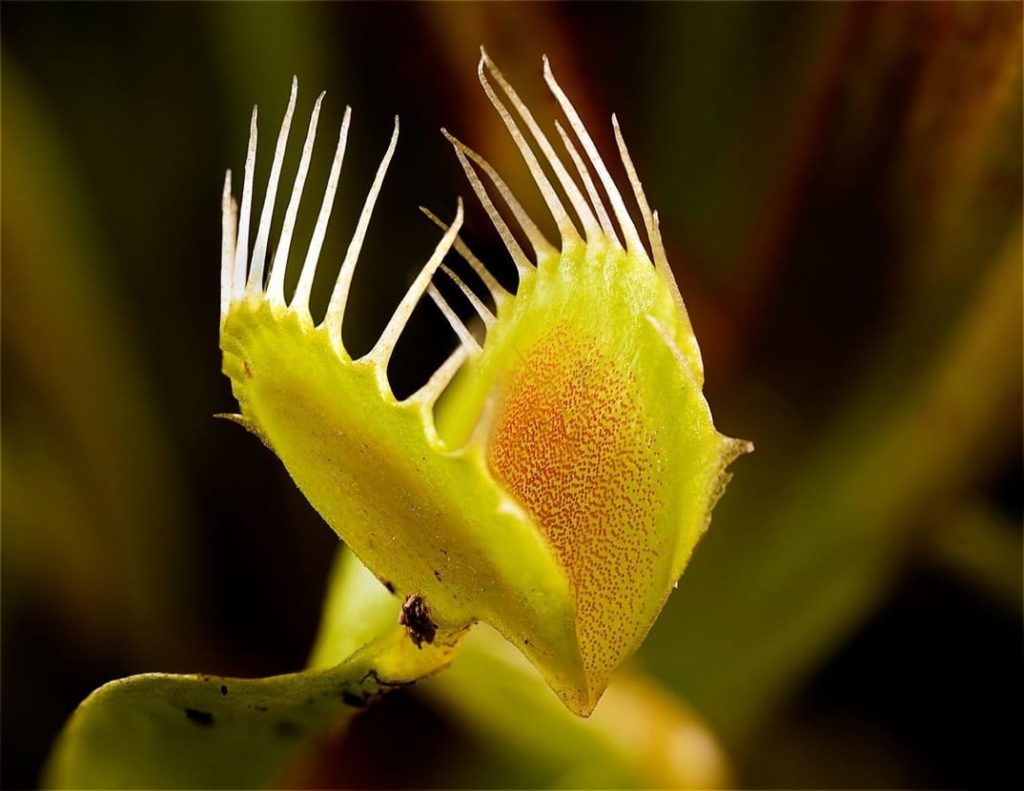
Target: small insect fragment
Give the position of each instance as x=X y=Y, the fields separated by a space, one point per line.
x=415 y=617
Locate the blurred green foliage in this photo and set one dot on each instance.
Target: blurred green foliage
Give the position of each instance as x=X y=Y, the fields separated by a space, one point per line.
x=840 y=191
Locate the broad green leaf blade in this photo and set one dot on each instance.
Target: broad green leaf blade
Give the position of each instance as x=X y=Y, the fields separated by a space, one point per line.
x=168 y=731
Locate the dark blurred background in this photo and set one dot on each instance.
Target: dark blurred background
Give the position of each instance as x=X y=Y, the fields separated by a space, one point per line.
x=840 y=192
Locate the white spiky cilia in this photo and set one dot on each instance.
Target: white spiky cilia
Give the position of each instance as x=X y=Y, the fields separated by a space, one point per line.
x=243 y=277
x=560 y=492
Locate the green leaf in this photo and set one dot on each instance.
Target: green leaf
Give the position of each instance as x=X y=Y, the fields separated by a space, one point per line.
x=168 y=731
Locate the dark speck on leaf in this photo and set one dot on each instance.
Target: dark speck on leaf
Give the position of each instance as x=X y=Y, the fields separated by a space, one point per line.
x=199 y=717
x=390 y=586
x=223 y=689
x=260 y=708
x=437 y=575
x=352 y=699
x=415 y=617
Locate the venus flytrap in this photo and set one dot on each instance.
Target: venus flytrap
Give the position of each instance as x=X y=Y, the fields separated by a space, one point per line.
x=556 y=492
x=562 y=487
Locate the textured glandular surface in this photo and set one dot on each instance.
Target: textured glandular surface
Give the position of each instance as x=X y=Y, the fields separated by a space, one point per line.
x=570 y=442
